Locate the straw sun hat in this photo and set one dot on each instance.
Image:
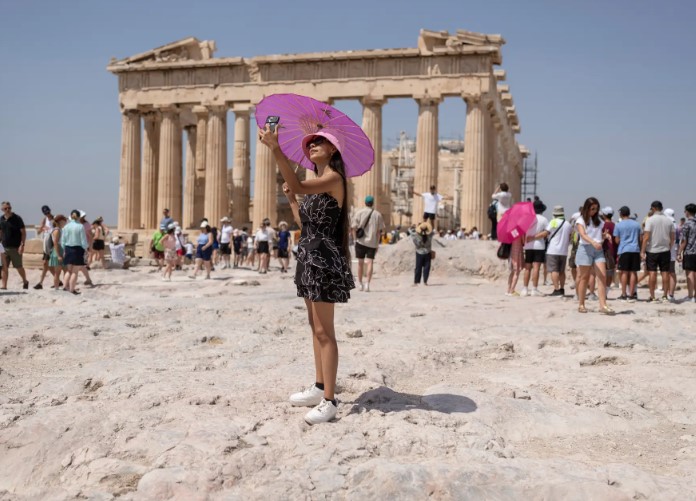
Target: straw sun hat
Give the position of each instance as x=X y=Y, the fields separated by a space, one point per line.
x=424 y=227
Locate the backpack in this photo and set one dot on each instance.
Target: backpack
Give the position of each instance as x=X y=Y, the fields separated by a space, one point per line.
x=493 y=210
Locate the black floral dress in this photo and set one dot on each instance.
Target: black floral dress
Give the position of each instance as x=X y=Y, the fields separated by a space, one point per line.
x=323 y=273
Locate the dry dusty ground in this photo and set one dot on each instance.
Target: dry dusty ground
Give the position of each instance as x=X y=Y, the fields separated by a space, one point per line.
x=140 y=389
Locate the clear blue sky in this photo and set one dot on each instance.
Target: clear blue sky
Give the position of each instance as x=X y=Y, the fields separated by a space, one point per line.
x=604 y=89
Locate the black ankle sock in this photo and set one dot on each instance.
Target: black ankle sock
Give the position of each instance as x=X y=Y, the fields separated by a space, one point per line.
x=319 y=385
x=334 y=402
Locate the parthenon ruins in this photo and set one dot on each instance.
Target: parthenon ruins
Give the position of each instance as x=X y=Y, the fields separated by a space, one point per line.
x=181 y=87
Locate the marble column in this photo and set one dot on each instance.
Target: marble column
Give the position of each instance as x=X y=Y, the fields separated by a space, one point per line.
x=169 y=186
x=426 y=169
x=475 y=195
x=129 y=189
x=216 y=203
x=370 y=183
x=241 y=170
x=189 y=218
x=201 y=113
x=265 y=186
x=148 y=195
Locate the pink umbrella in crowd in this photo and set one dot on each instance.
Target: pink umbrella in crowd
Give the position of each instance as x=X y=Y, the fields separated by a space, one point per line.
x=302 y=116
x=515 y=222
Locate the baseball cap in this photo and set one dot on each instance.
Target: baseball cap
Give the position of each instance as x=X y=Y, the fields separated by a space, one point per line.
x=115 y=240
x=83 y=214
x=369 y=199
x=669 y=213
x=204 y=224
x=45 y=209
x=607 y=210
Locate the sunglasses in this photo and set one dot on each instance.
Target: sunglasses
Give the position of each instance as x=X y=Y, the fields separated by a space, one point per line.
x=317 y=141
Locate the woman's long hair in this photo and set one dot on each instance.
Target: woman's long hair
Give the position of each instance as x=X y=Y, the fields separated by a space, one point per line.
x=585 y=212
x=336 y=163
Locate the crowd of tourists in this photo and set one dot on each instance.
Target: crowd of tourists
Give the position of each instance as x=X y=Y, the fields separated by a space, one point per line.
x=70 y=245
x=602 y=254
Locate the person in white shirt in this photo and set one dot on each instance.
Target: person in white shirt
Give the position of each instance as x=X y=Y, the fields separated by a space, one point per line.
x=504 y=198
x=225 y=236
x=119 y=259
x=535 y=250
x=431 y=201
x=263 y=238
x=559 y=231
x=590 y=254
x=475 y=235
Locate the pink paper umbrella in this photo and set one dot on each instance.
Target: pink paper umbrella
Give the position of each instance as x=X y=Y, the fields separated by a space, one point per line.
x=302 y=117
x=515 y=222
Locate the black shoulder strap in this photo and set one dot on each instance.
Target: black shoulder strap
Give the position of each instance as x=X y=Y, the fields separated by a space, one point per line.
x=557 y=229
x=367 y=220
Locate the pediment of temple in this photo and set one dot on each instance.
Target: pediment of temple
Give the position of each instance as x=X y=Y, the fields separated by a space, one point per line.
x=434 y=42
x=187 y=49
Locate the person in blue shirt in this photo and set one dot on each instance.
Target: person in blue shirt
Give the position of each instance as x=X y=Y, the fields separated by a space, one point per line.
x=627 y=237
x=74 y=243
x=283 y=244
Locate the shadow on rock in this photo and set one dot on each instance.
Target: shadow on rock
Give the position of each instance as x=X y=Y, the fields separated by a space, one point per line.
x=387 y=400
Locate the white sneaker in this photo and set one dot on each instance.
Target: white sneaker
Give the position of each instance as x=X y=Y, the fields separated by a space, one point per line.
x=524 y=292
x=308 y=397
x=322 y=413
x=592 y=296
x=536 y=292
x=360 y=286
x=367 y=287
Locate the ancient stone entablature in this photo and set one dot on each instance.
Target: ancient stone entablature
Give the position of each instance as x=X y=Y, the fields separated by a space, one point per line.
x=192 y=89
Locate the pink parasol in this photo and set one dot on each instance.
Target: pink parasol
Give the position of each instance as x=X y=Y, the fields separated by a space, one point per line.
x=302 y=117
x=515 y=222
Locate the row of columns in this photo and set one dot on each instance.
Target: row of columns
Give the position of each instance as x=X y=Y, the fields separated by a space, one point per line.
x=153 y=181
x=146 y=192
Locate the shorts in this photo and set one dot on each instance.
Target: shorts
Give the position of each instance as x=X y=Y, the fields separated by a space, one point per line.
x=365 y=252
x=672 y=266
x=263 y=248
x=555 y=263
x=204 y=254
x=98 y=245
x=689 y=262
x=225 y=249
x=74 y=256
x=14 y=257
x=216 y=245
x=158 y=254
x=428 y=215
x=655 y=260
x=629 y=261
x=587 y=255
x=534 y=256
x=283 y=253
x=180 y=252
x=170 y=255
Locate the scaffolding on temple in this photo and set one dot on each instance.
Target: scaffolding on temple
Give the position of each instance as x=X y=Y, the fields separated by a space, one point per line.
x=530 y=171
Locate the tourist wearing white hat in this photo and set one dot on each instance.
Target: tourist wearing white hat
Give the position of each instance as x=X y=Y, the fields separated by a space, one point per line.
x=559 y=231
x=119 y=258
x=225 y=236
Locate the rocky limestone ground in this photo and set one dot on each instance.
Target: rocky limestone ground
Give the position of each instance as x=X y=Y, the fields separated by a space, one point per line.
x=143 y=389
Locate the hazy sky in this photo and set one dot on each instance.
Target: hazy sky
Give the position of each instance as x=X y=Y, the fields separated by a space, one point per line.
x=604 y=89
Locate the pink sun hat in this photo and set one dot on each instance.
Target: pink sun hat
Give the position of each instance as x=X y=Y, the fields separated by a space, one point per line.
x=326 y=135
